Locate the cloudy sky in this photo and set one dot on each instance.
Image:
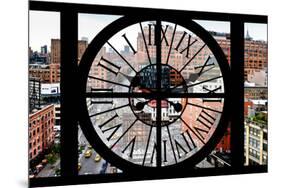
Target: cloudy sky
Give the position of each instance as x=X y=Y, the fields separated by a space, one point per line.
x=43 y=26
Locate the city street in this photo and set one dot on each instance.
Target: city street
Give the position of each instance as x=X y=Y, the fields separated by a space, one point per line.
x=89 y=165
x=49 y=170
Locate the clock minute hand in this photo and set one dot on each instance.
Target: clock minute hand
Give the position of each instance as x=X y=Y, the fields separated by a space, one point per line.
x=177 y=106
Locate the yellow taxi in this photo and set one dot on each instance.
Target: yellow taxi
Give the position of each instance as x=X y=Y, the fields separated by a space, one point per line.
x=88 y=153
x=79 y=166
x=97 y=158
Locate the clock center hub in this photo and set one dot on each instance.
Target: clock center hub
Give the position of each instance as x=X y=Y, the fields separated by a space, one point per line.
x=145 y=81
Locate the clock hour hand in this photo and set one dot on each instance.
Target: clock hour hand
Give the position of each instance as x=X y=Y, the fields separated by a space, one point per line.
x=136 y=83
x=208 y=65
x=140 y=105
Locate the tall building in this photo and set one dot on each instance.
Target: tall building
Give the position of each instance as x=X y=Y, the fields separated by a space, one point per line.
x=41 y=130
x=82 y=46
x=98 y=71
x=256 y=143
x=34 y=94
x=55 y=51
x=255 y=57
x=50 y=73
x=54 y=72
x=44 y=49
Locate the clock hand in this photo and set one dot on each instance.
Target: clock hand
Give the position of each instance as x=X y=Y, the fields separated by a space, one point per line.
x=140 y=105
x=137 y=83
x=177 y=106
x=209 y=62
x=193 y=77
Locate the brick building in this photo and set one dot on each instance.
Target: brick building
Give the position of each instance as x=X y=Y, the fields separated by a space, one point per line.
x=41 y=130
x=55 y=51
x=50 y=73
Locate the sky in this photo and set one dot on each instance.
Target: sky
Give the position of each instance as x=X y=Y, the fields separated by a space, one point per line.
x=43 y=26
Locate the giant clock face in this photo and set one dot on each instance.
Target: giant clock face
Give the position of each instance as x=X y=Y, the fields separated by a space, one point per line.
x=159 y=103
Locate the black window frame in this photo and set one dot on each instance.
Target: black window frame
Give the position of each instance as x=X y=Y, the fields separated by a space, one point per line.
x=69 y=37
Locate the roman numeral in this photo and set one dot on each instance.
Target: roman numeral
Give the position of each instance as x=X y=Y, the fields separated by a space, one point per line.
x=164 y=35
x=207 y=120
x=101 y=89
x=124 y=133
x=121 y=57
x=212 y=100
x=211 y=79
x=147 y=145
x=172 y=41
x=129 y=43
x=116 y=127
x=206 y=64
x=189 y=128
x=210 y=90
x=149 y=34
x=189 y=44
x=153 y=151
x=165 y=150
x=109 y=63
x=132 y=142
x=192 y=146
x=144 y=40
x=178 y=148
x=187 y=63
x=164 y=153
x=204 y=107
x=107 y=121
x=108 y=81
x=172 y=145
x=102 y=102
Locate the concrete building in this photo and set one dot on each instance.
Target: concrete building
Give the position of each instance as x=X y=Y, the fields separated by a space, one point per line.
x=256 y=143
x=259 y=77
x=82 y=46
x=34 y=94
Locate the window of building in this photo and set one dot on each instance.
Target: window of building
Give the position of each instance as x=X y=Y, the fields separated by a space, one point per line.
x=264 y=146
x=265 y=135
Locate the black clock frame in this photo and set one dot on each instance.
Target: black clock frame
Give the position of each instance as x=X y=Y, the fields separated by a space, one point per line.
x=70 y=108
x=85 y=121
